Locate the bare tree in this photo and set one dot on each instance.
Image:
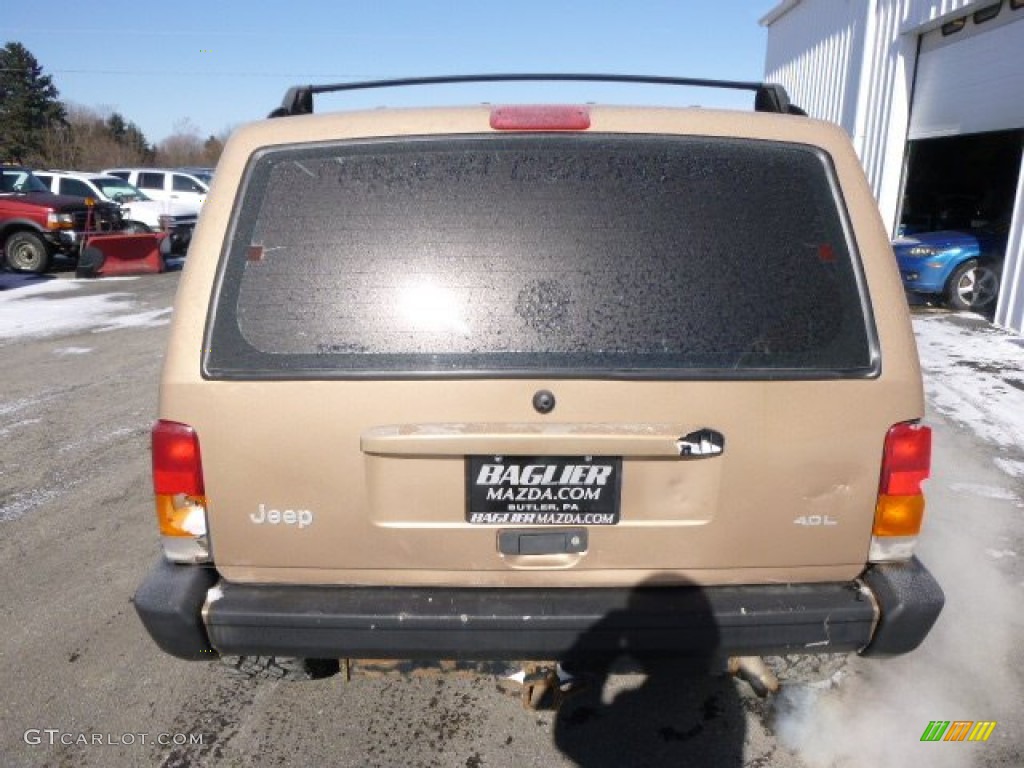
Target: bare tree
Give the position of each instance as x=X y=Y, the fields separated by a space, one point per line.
x=183 y=147
x=92 y=139
x=58 y=147
x=97 y=138
x=186 y=147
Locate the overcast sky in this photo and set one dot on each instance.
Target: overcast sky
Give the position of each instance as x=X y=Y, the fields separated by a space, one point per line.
x=220 y=63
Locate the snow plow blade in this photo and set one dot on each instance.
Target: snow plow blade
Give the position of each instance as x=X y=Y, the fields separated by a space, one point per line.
x=110 y=255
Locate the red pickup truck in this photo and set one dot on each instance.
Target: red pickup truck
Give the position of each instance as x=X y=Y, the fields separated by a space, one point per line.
x=35 y=225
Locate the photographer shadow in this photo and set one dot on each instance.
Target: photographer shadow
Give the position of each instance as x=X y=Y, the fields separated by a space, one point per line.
x=682 y=714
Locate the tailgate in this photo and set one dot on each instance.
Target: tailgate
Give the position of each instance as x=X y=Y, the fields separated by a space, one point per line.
x=787 y=498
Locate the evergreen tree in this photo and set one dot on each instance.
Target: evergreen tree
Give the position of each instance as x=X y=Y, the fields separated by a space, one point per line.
x=130 y=136
x=117 y=126
x=134 y=140
x=29 y=105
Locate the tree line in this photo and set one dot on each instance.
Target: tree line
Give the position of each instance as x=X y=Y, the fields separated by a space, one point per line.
x=39 y=130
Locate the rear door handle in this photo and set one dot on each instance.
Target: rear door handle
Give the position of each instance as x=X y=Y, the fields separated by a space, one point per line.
x=635 y=441
x=701 y=444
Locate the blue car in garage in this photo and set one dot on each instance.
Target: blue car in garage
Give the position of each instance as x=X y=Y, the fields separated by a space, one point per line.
x=963 y=268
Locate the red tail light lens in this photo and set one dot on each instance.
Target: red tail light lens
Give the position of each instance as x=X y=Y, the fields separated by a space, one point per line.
x=907 y=460
x=899 y=512
x=541 y=117
x=177 y=465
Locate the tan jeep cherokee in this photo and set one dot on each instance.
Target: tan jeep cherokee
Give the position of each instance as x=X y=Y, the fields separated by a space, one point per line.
x=539 y=383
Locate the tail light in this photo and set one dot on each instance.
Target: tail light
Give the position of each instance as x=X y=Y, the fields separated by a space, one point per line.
x=180 y=493
x=899 y=511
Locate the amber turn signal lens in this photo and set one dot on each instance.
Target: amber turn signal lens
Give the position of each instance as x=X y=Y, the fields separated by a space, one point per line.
x=181 y=515
x=898 y=515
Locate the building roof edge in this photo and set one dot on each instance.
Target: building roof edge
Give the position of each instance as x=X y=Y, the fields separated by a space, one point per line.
x=778 y=12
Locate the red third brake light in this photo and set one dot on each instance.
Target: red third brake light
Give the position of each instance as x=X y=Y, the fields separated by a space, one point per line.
x=541 y=117
x=177 y=466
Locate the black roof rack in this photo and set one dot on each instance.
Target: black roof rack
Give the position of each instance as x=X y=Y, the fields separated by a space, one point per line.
x=769 y=97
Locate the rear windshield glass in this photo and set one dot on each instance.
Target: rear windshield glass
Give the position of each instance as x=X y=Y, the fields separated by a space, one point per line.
x=645 y=256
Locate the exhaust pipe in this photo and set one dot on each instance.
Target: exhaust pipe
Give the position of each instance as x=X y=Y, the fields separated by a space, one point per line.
x=545 y=685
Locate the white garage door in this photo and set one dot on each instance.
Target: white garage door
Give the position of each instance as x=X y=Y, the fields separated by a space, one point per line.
x=971 y=81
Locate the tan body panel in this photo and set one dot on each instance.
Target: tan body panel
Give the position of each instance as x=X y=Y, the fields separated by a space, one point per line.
x=380 y=465
x=394 y=519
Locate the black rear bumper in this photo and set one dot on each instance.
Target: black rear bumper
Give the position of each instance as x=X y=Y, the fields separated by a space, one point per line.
x=889 y=612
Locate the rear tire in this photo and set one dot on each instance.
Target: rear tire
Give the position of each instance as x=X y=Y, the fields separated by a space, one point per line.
x=135 y=228
x=280 y=667
x=26 y=252
x=973 y=286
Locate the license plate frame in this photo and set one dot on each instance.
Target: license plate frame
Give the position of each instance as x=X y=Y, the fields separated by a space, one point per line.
x=543 y=490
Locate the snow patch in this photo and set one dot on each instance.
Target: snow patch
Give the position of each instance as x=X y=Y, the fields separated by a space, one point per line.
x=51 y=308
x=16 y=425
x=149 y=319
x=985 y=491
x=101 y=438
x=32 y=287
x=14 y=406
x=1010 y=467
x=966 y=363
x=23 y=503
x=72 y=351
x=999 y=554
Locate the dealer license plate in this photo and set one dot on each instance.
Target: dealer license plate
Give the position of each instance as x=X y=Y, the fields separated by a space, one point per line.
x=543 y=490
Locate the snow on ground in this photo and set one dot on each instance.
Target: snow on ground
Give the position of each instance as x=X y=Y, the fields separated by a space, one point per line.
x=9 y=428
x=974 y=376
x=39 y=308
x=986 y=492
x=25 y=501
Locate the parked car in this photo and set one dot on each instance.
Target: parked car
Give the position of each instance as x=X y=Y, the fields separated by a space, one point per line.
x=37 y=225
x=555 y=383
x=203 y=173
x=165 y=184
x=140 y=213
x=963 y=268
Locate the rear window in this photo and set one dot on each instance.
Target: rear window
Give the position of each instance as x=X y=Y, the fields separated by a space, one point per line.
x=185 y=184
x=553 y=255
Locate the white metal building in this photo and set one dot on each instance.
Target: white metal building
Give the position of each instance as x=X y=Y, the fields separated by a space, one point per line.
x=935 y=79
